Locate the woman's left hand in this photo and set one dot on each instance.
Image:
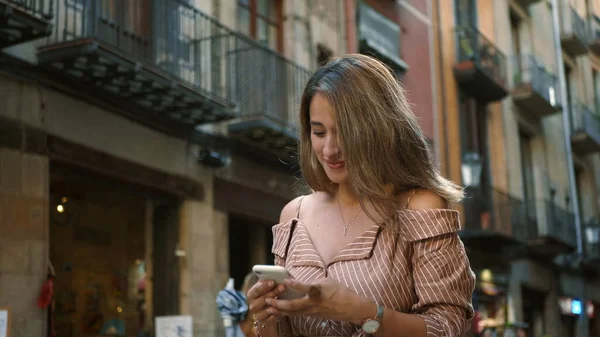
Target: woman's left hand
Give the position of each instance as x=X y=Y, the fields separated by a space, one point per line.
x=327 y=299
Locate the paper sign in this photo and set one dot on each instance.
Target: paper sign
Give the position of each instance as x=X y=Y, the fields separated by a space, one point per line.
x=173 y=326
x=4 y=323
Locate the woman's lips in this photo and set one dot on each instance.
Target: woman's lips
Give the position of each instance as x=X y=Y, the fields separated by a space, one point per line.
x=336 y=165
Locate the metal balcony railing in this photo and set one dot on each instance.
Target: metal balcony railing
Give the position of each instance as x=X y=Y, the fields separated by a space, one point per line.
x=267 y=83
x=578 y=26
x=561 y=224
x=40 y=8
x=194 y=48
x=584 y=119
x=517 y=215
x=530 y=71
x=594 y=28
x=170 y=35
x=473 y=46
x=503 y=214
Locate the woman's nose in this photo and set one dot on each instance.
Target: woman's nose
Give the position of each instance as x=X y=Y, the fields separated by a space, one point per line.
x=331 y=147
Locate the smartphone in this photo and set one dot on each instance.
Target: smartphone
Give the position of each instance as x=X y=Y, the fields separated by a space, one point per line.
x=277 y=274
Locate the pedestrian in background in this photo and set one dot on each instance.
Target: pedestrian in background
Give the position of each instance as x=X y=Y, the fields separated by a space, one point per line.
x=375 y=248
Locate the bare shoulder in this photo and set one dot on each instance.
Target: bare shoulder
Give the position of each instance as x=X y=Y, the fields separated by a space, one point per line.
x=425 y=199
x=289 y=211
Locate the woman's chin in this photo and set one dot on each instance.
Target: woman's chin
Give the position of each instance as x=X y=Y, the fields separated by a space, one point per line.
x=337 y=177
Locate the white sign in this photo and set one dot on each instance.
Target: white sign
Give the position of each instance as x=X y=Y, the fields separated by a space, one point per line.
x=172 y=326
x=3 y=323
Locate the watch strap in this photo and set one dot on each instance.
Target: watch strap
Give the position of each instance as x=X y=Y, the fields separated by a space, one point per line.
x=380 y=309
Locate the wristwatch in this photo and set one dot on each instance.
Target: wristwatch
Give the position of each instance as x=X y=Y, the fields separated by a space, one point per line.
x=371 y=325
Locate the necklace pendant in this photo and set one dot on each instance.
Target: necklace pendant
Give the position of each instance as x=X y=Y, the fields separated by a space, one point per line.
x=345 y=228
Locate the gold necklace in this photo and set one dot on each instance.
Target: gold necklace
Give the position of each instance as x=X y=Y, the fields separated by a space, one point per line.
x=342 y=216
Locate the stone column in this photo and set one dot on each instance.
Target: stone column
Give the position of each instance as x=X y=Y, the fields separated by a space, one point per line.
x=23 y=238
x=205 y=268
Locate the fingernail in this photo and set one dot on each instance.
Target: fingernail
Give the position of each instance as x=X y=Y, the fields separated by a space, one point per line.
x=271 y=283
x=268 y=301
x=281 y=288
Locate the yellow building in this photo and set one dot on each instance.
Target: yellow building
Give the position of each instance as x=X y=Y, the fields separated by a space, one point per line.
x=503 y=110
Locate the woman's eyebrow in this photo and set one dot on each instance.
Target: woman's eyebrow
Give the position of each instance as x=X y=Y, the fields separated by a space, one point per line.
x=315 y=123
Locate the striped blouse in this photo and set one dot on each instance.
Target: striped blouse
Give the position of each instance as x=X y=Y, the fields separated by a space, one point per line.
x=419 y=266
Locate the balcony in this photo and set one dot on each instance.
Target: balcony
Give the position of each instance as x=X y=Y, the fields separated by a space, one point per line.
x=558 y=235
x=24 y=20
x=595 y=35
x=498 y=224
x=526 y=3
x=481 y=67
x=585 y=130
x=574 y=33
x=535 y=88
x=269 y=91
x=162 y=61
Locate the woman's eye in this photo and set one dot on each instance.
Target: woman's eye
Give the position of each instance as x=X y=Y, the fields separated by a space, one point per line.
x=318 y=133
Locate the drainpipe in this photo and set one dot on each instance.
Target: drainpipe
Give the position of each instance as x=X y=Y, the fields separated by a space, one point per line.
x=566 y=113
x=350 y=16
x=442 y=79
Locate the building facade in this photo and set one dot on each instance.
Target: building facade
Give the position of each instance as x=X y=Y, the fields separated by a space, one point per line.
x=504 y=104
x=147 y=147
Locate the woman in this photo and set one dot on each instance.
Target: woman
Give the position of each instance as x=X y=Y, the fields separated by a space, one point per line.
x=375 y=247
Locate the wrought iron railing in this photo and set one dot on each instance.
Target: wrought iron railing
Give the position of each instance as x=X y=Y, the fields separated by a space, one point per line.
x=474 y=47
x=519 y=214
x=170 y=35
x=594 y=27
x=560 y=224
x=530 y=71
x=194 y=48
x=501 y=213
x=40 y=8
x=584 y=119
x=267 y=83
x=578 y=26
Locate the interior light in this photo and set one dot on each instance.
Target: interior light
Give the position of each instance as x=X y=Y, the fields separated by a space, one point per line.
x=119 y=309
x=576 y=307
x=486 y=275
x=64 y=200
x=60 y=208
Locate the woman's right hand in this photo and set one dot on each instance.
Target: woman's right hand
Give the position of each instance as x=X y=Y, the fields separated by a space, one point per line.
x=256 y=302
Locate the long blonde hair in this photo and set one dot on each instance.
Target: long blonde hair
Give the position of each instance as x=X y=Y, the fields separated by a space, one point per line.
x=382 y=142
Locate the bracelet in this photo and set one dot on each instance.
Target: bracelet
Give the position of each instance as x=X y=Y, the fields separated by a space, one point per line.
x=255 y=328
x=257 y=331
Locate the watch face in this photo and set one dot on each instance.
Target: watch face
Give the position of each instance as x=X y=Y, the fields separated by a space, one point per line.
x=371 y=326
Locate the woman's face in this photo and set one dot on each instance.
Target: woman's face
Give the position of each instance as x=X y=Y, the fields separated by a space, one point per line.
x=324 y=140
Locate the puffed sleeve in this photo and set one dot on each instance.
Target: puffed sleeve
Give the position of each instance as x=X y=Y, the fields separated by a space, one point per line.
x=443 y=279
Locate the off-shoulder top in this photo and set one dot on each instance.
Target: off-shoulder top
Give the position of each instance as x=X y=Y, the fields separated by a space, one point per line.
x=417 y=265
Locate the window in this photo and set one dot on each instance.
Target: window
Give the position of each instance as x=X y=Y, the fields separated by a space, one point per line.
x=260 y=19
x=596 y=89
x=515 y=28
x=568 y=72
x=527 y=176
x=465 y=13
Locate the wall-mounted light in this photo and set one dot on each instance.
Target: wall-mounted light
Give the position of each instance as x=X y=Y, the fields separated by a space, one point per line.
x=213 y=158
x=471 y=168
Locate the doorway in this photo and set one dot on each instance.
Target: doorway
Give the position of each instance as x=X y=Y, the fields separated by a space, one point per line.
x=111 y=275
x=250 y=243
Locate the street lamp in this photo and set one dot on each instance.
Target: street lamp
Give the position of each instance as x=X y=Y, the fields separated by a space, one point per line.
x=592 y=237
x=471 y=168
